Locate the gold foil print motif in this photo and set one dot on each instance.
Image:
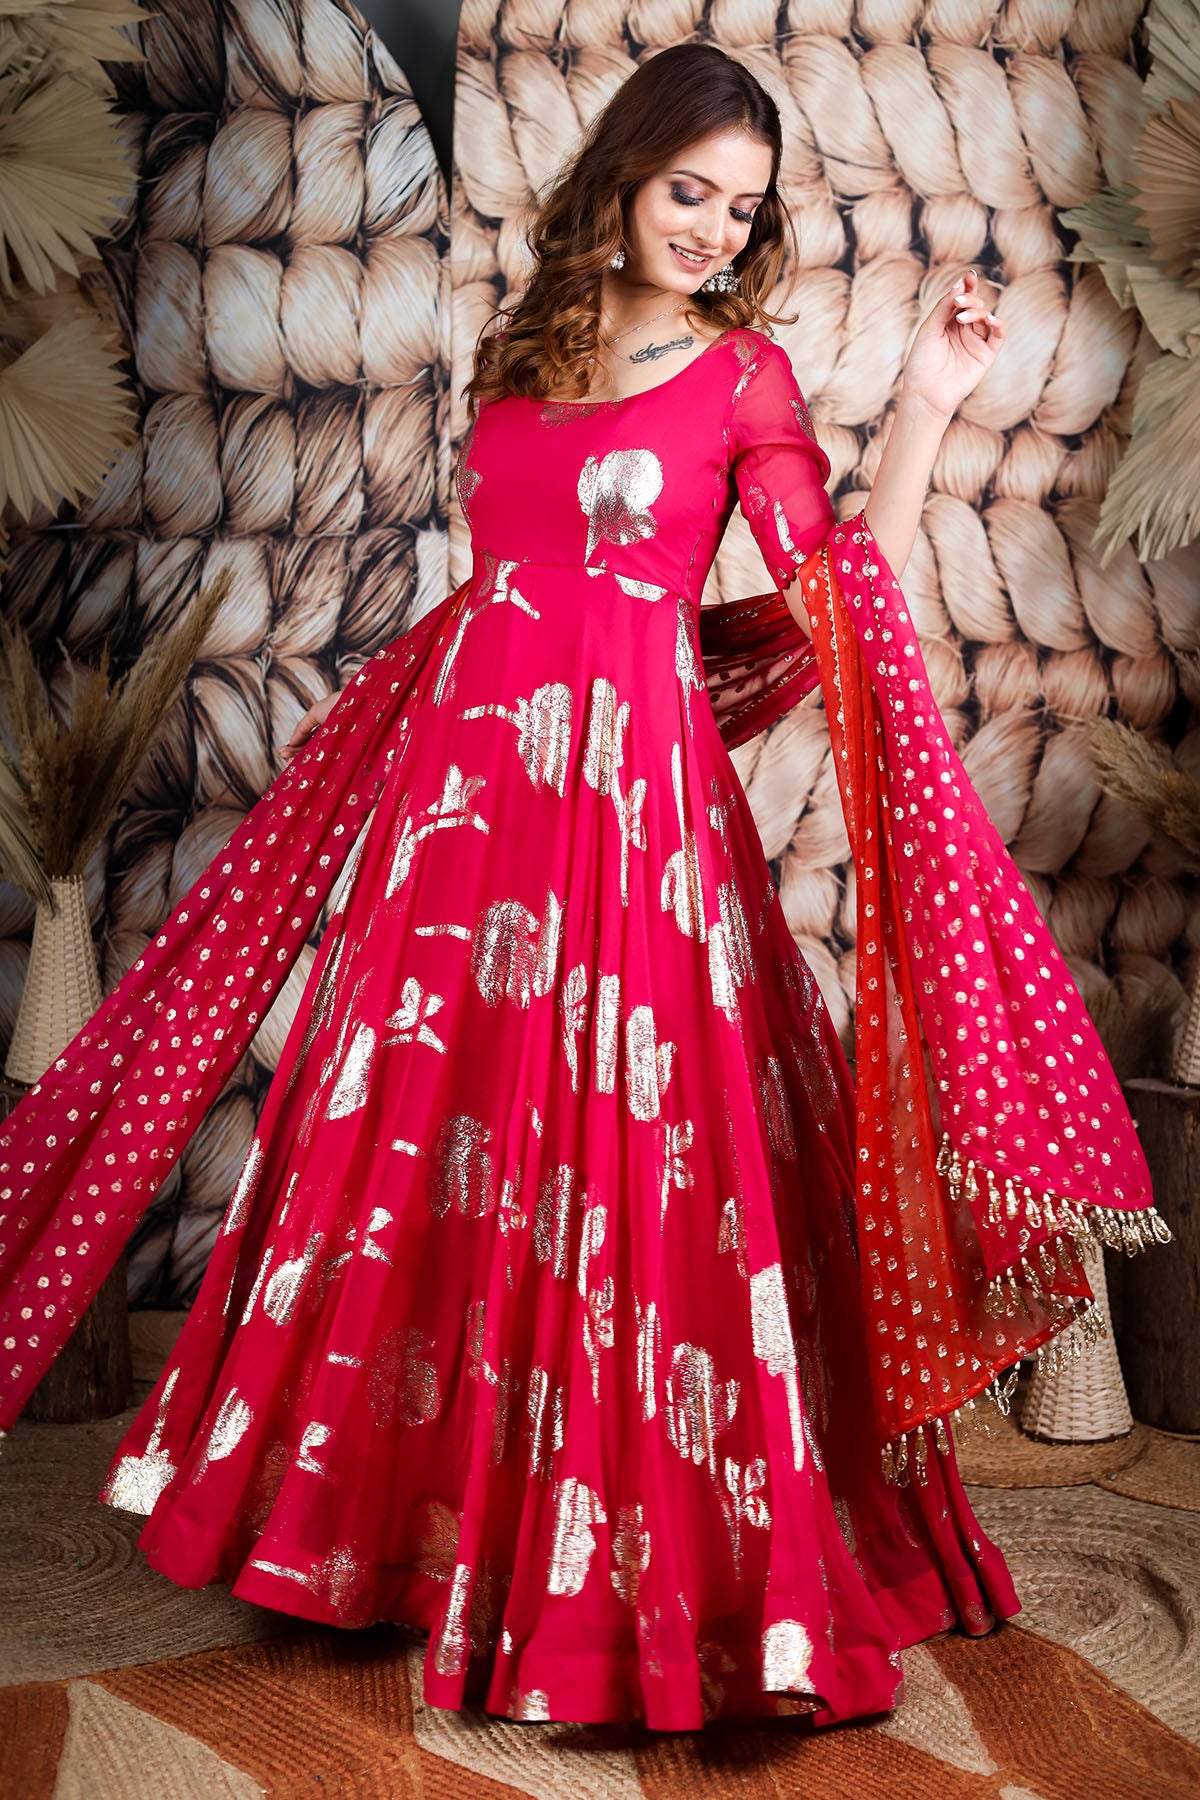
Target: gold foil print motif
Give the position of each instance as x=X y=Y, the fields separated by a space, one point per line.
x=506 y=961
x=698 y=1406
x=603 y=760
x=233 y=1419
x=730 y=950
x=461 y=1171
x=543 y=725
x=737 y=933
x=681 y=885
x=340 y=1580
x=688 y=667
x=466 y=478
x=639 y=590
x=607 y=1025
x=630 y=1553
x=576 y=1510
x=552 y=1219
x=286 y=1283
x=617 y=493
x=454 y=806
x=649 y=1349
x=814 y=1066
x=379 y=1221
x=402 y=1383
x=744 y=1498
x=452 y=1645
x=777 y=1109
x=598 y=1301
x=774 y=1345
x=350 y=1087
x=432 y=1530
x=720 y=973
x=598 y=1327
x=543 y=1425
x=677 y=1141
x=648 y=1064
x=138 y=1481
x=409 y=1024
x=786 y=1655
x=574 y=1018
x=498 y=574
x=239 y=1206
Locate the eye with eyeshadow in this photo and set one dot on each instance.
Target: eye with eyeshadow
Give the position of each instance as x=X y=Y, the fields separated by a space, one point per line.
x=683 y=198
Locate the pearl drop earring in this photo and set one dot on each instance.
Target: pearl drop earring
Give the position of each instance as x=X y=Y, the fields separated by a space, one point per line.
x=617 y=261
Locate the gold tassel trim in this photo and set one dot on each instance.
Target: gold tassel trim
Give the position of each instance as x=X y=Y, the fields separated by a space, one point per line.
x=909 y=1453
x=1008 y=1200
x=1073 y=1225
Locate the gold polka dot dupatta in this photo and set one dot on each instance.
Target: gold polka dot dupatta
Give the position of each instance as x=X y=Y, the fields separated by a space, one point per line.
x=992 y=1137
x=118 y=1106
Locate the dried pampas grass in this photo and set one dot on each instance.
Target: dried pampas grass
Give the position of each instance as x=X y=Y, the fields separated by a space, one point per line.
x=19 y=854
x=63 y=779
x=1131 y=769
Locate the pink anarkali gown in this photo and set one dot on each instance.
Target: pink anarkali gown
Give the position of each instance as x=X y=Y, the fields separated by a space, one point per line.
x=535 y=1319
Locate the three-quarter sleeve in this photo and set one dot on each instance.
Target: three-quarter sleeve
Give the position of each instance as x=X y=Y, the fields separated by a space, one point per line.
x=758 y=662
x=778 y=465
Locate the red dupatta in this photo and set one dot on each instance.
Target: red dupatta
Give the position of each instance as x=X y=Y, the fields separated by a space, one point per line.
x=977 y=1179
x=992 y=1137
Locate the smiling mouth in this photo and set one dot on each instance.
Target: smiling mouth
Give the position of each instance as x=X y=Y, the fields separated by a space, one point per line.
x=692 y=256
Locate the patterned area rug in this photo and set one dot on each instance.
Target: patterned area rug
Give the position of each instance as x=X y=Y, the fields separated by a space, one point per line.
x=115 y=1685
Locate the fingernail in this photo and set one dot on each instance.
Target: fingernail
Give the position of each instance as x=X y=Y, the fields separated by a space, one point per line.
x=991 y=318
x=958 y=286
x=962 y=317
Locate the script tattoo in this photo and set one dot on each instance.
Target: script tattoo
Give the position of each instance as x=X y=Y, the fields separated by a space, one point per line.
x=651 y=352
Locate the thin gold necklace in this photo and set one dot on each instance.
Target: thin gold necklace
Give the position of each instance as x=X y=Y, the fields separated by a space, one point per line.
x=666 y=312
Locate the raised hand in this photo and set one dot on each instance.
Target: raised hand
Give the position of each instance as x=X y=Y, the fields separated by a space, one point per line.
x=954 y=347
x=306 y=725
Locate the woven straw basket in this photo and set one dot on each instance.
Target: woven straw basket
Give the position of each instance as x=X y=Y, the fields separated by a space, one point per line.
x=62 y=985
x=1186 y=1067
x=1085 y=1402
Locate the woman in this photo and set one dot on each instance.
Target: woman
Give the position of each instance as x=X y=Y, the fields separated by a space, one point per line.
x=571 y=1289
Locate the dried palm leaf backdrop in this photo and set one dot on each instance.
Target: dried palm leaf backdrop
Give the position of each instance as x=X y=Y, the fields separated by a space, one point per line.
x=279 y=285
x=279 y=282
x=919 y=140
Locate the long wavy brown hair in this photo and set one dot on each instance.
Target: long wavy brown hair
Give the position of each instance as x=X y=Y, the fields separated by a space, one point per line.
x=542 y=343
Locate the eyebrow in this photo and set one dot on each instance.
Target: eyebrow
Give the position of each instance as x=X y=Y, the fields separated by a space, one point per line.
x=705 y=182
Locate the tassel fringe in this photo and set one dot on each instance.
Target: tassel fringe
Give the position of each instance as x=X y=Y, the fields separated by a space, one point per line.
x=1007 y=1200
x=1075 y=1225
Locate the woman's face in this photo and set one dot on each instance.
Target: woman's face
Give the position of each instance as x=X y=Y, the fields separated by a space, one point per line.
x=692 y=218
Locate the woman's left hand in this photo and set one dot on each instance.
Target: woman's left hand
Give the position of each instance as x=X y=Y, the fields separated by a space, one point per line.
x=955 y=346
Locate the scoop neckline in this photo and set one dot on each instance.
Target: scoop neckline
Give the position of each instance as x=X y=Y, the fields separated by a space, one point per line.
x=624 y=399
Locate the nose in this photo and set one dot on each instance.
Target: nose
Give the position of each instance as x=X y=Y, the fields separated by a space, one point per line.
x=710 y=235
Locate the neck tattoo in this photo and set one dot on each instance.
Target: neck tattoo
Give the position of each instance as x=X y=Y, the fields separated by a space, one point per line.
x=652 y=352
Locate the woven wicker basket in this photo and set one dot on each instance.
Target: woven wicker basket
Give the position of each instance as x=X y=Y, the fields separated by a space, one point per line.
x=62 y=985
x=1085 y=1402
x=1186 y=1067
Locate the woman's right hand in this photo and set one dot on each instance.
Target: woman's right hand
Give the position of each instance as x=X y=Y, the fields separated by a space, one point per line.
x=305 y=726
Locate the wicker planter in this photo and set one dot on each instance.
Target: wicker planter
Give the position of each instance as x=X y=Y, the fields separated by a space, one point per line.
x=1185 y=1070
x=62 y=986
x=1085 y=1402
x=92 y=1377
